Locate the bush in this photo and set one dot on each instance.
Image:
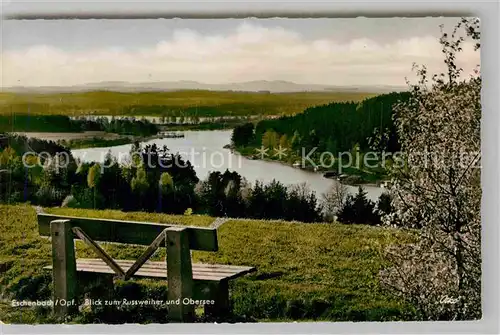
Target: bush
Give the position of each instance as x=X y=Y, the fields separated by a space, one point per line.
x=358 y=209
x=353 y=180
x=49 y=196
x=70 y=202
x=384 y=204
x=15 y=197
x=295 y=309
x=33 y=288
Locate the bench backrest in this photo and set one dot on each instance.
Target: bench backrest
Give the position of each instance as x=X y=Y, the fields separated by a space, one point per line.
x=130 y=232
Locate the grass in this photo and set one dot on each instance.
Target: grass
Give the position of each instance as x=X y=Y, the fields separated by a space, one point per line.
x=188 y=102
x=332 y=266
x=305 y=271
x=187 y=220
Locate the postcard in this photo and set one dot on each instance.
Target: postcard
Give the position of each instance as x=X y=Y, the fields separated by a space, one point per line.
x=240 y=170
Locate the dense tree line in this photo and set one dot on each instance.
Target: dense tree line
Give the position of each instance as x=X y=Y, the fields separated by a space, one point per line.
x=243 y=135
x=358 y=209
x=170 y=111
x=335 y=127
x=33 y=122
x=156 y=180
x=42 y=183
x=21 y=143
x=224 y=109
x=126 y=126
x=339 y=205
x=62 y=123
x=228 y=194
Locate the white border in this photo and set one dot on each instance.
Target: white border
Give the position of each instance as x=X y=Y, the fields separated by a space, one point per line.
x=488 y=11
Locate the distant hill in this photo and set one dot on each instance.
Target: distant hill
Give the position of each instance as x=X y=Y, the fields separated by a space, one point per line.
x=276 y=86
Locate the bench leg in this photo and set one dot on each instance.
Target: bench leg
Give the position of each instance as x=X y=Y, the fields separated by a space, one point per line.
x=179 y=275
x=220 y=294
x=63 y=268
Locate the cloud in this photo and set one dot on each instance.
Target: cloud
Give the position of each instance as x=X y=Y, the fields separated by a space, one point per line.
x=249 y=52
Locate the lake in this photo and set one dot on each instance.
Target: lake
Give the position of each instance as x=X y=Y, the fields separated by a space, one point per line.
x=204 y=149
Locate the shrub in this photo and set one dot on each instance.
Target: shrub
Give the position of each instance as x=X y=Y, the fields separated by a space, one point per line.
x=358 y=209
x=70 y=202
x=442 y=197
x=353 y=179
x=384 y=204
x=49 y=196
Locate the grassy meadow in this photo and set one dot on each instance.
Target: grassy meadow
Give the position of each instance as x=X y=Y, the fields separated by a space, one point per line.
x=304 y=271
x=176 y=103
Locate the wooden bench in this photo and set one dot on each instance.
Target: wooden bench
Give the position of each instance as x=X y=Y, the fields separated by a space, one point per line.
x=185 y=280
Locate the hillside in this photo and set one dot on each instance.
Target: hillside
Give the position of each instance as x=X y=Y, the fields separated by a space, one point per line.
x=305 y=271
x=273 y=86
x=328 y=133
x=176 y=103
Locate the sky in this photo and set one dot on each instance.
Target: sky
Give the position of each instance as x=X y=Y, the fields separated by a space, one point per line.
x=333 y=51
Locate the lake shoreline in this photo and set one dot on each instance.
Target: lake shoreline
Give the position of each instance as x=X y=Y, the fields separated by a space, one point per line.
x=104 y=140
x=252 y=157
x=204 y=150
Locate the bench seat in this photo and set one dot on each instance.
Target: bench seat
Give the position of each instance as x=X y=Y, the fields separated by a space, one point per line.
x=201 y=272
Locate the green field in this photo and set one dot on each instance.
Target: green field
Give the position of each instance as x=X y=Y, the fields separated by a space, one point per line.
x=186 y=103
x=305 y=271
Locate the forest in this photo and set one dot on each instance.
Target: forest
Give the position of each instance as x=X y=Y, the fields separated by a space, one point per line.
x=62 y=123
x=334 y=127
x=156 y=180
